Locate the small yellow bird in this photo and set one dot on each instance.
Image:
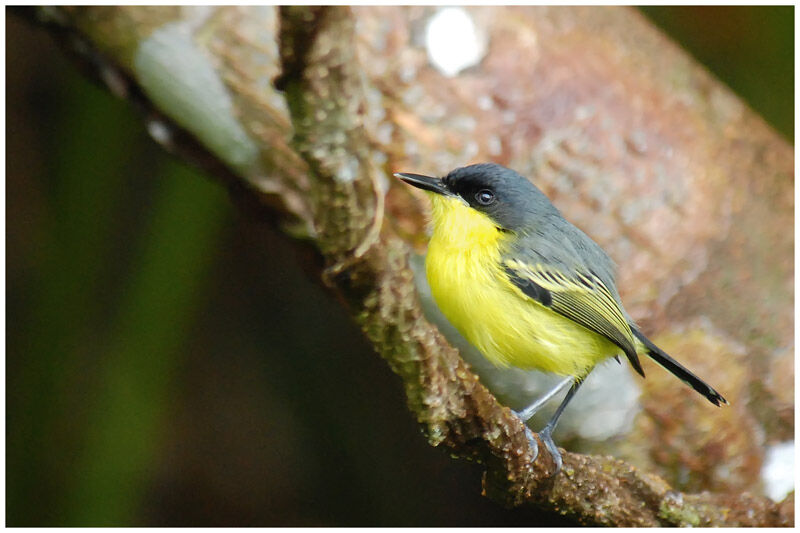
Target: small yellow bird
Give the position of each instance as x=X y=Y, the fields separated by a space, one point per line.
x=526 y=287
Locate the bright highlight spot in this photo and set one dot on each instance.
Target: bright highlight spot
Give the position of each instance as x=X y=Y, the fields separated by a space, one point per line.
x=453 y=41
x=778 y=470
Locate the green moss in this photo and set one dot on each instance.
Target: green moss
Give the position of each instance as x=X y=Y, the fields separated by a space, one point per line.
x=680 y=515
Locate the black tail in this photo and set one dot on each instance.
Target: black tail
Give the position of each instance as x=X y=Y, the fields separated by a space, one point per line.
x=659 y=356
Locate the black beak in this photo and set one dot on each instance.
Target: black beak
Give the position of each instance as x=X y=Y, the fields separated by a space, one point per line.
x=426 y=183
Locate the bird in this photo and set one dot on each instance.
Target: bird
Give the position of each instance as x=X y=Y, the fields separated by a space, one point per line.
x=527 y=288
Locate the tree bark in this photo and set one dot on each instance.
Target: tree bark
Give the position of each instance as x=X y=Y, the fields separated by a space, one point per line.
x=309 y=110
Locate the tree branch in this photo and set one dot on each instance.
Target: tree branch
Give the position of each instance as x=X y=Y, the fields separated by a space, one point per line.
x=322 y=159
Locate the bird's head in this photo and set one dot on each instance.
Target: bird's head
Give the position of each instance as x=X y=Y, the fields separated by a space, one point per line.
x=484 y=197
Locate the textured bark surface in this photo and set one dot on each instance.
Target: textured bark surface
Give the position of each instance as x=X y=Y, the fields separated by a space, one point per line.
x=689 y=190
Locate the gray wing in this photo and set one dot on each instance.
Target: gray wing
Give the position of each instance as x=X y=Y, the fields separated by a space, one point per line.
x=572 y=275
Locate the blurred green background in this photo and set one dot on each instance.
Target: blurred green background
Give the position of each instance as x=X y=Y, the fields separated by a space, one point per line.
x=154 y=373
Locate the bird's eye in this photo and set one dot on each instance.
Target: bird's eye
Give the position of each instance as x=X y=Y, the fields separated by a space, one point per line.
x=484 y=197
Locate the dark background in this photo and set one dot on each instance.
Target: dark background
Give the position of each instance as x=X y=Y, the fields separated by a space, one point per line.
x=168 y=361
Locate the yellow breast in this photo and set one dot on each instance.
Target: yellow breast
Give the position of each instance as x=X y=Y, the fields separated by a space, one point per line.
x=471 y=289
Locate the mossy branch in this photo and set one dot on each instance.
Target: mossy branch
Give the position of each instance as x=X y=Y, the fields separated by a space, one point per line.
x=322 y=165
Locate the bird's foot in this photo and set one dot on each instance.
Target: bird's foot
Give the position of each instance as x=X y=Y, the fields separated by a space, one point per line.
x=533 y=443
x=547 y=439
x=531 y=439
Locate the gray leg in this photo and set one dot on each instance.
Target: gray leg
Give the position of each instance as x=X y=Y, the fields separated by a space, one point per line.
x=547 y=433
x=531 y=410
